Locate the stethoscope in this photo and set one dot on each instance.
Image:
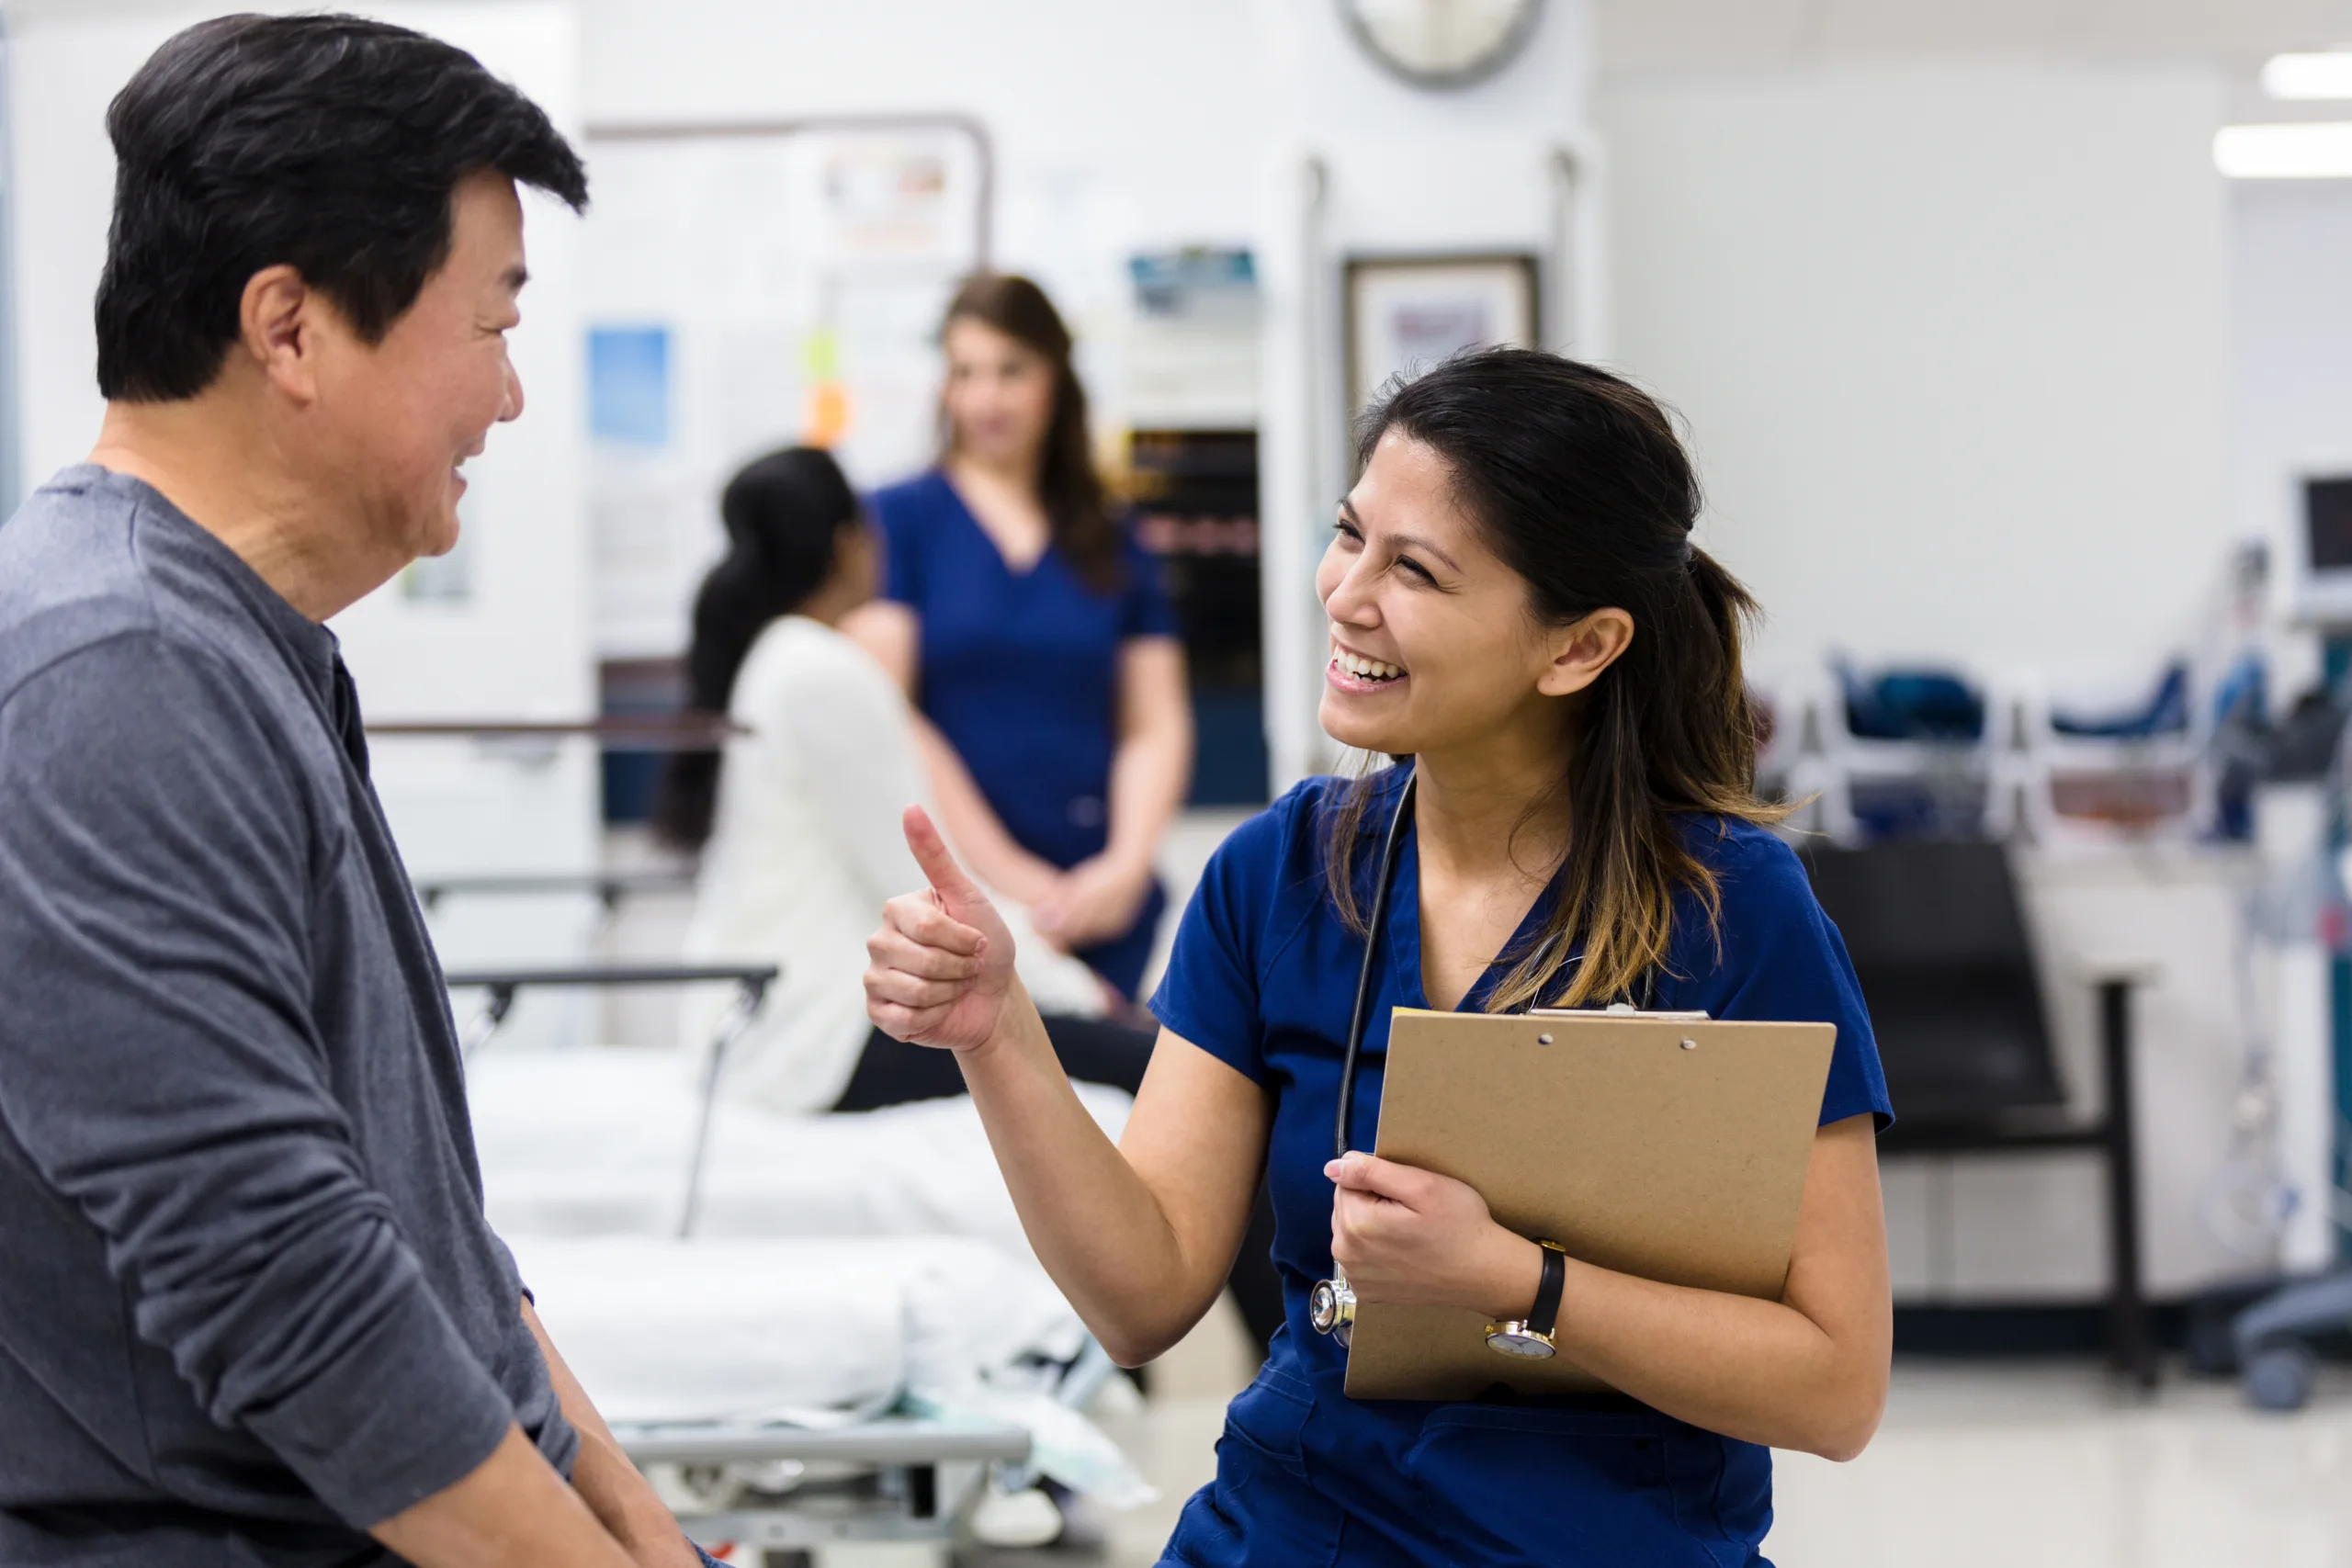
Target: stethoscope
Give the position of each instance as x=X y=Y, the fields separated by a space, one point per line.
x=1382 y=883
x=1331 y=1305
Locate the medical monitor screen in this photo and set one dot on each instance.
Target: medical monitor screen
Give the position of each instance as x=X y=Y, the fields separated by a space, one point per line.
x=2327 y=522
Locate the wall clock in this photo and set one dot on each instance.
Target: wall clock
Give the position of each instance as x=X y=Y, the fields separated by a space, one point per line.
x=1442 y=43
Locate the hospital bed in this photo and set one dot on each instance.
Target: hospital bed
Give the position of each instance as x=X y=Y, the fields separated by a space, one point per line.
x=604 y=1140
x=810 y=1331
x=802 y=1395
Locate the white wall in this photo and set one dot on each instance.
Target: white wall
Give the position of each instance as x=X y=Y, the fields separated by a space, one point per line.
x=1952 y=344
x=61 y=75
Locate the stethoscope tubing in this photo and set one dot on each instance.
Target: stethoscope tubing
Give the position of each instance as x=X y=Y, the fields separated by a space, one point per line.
x=1357 y=1019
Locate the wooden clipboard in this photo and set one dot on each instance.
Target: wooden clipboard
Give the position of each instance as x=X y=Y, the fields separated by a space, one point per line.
x=1674 y=1148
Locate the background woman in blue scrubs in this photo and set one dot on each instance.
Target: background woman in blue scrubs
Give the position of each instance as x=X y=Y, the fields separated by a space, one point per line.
x=1034 y=634
x=1516 y=609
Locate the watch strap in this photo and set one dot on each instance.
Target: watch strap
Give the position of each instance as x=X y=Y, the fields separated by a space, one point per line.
x=1546 y=1317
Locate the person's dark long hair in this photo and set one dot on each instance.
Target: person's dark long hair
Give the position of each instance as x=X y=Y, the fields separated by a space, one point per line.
x=1070 y=489
x=1578 y=483
x=784 y=513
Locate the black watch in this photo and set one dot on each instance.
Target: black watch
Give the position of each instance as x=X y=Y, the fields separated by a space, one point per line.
x=1530 y=1338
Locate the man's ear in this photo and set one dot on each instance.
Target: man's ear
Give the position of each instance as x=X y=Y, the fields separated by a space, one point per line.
x=279 y=329
x=1583 y=648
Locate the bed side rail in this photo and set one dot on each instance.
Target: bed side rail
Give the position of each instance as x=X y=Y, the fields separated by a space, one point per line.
x=751 y=981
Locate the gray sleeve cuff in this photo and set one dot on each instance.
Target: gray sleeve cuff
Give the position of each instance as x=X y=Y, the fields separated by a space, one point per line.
x=403 y=1411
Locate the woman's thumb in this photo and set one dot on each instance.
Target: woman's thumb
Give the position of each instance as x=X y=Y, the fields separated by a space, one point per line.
x=938 y=862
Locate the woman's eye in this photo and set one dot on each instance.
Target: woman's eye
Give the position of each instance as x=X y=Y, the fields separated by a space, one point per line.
x=1347 y=530
x=1408 y=563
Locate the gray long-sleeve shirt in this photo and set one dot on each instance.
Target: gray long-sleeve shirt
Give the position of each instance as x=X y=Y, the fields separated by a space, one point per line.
x=248 y=1301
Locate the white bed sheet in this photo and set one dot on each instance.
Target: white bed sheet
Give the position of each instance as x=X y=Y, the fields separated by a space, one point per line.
x=809 y=1332
x=839 y=1263
x=595 y=1142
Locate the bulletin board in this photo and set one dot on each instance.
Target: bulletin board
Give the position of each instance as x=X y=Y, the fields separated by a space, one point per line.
x=751 y=287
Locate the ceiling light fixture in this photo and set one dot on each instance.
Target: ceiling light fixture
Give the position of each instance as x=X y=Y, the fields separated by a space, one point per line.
x=2305 y=149
x=2309 y=76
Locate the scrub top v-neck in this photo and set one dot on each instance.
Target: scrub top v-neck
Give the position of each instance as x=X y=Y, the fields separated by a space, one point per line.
x=1020 y=670
x=1263 y=977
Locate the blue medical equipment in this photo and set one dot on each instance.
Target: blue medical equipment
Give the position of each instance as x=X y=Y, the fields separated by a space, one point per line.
x=1911 y=705
x=2165 y=713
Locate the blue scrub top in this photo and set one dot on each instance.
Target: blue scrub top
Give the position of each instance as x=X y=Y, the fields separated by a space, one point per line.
x=1020 y=672
x=1263 y=977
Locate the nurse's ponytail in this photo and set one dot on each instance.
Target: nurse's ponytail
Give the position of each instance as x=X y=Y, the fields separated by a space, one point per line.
x=1580 y=483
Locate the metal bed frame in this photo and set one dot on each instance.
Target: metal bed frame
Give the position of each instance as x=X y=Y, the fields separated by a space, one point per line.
x=751 y=980
x=897 y=1479
x=608 y=888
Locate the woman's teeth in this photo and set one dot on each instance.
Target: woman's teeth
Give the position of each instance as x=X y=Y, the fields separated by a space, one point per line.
x=1364 y=669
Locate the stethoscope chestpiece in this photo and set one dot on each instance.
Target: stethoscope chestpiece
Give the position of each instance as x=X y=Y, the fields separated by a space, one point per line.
x=1331 y=1307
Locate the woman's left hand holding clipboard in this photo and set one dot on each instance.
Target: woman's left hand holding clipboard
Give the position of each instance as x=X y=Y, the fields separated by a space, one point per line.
x=1411 y=1237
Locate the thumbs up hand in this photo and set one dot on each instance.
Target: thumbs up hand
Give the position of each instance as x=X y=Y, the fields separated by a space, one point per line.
x=940 y=970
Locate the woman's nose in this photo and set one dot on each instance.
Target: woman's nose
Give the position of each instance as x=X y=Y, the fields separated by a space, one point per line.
x=513 y=409
x=1350 y=598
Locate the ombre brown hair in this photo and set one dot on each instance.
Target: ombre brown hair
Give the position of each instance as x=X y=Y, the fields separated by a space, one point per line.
x=1068 y=488
x=1576 y=480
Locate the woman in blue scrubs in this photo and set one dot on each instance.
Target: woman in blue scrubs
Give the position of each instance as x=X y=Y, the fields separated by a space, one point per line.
x=1033 y=633
x=1517 y=614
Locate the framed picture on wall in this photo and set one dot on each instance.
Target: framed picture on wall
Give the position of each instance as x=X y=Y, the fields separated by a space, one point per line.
x=1405 y=313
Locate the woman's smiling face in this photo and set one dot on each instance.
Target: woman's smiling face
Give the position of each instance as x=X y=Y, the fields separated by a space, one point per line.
x=1434 y=640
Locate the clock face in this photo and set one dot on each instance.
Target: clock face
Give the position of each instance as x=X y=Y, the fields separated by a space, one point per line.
x=1442 y=43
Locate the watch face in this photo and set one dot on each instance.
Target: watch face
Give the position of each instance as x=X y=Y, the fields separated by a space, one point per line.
x=1442 y=43
x=1518 y=1342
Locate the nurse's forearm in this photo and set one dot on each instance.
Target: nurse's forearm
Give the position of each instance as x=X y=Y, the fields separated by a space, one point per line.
x=1755 y=1369
x=1096 y=1227
x=1807 y=1372
x=974 y=827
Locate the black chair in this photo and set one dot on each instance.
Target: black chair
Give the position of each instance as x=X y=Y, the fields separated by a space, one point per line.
x=1939 y=942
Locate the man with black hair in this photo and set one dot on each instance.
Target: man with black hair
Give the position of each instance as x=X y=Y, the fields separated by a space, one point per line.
x=250 y=1311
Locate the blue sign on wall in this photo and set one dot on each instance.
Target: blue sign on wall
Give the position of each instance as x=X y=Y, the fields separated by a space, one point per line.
x=628 y=385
